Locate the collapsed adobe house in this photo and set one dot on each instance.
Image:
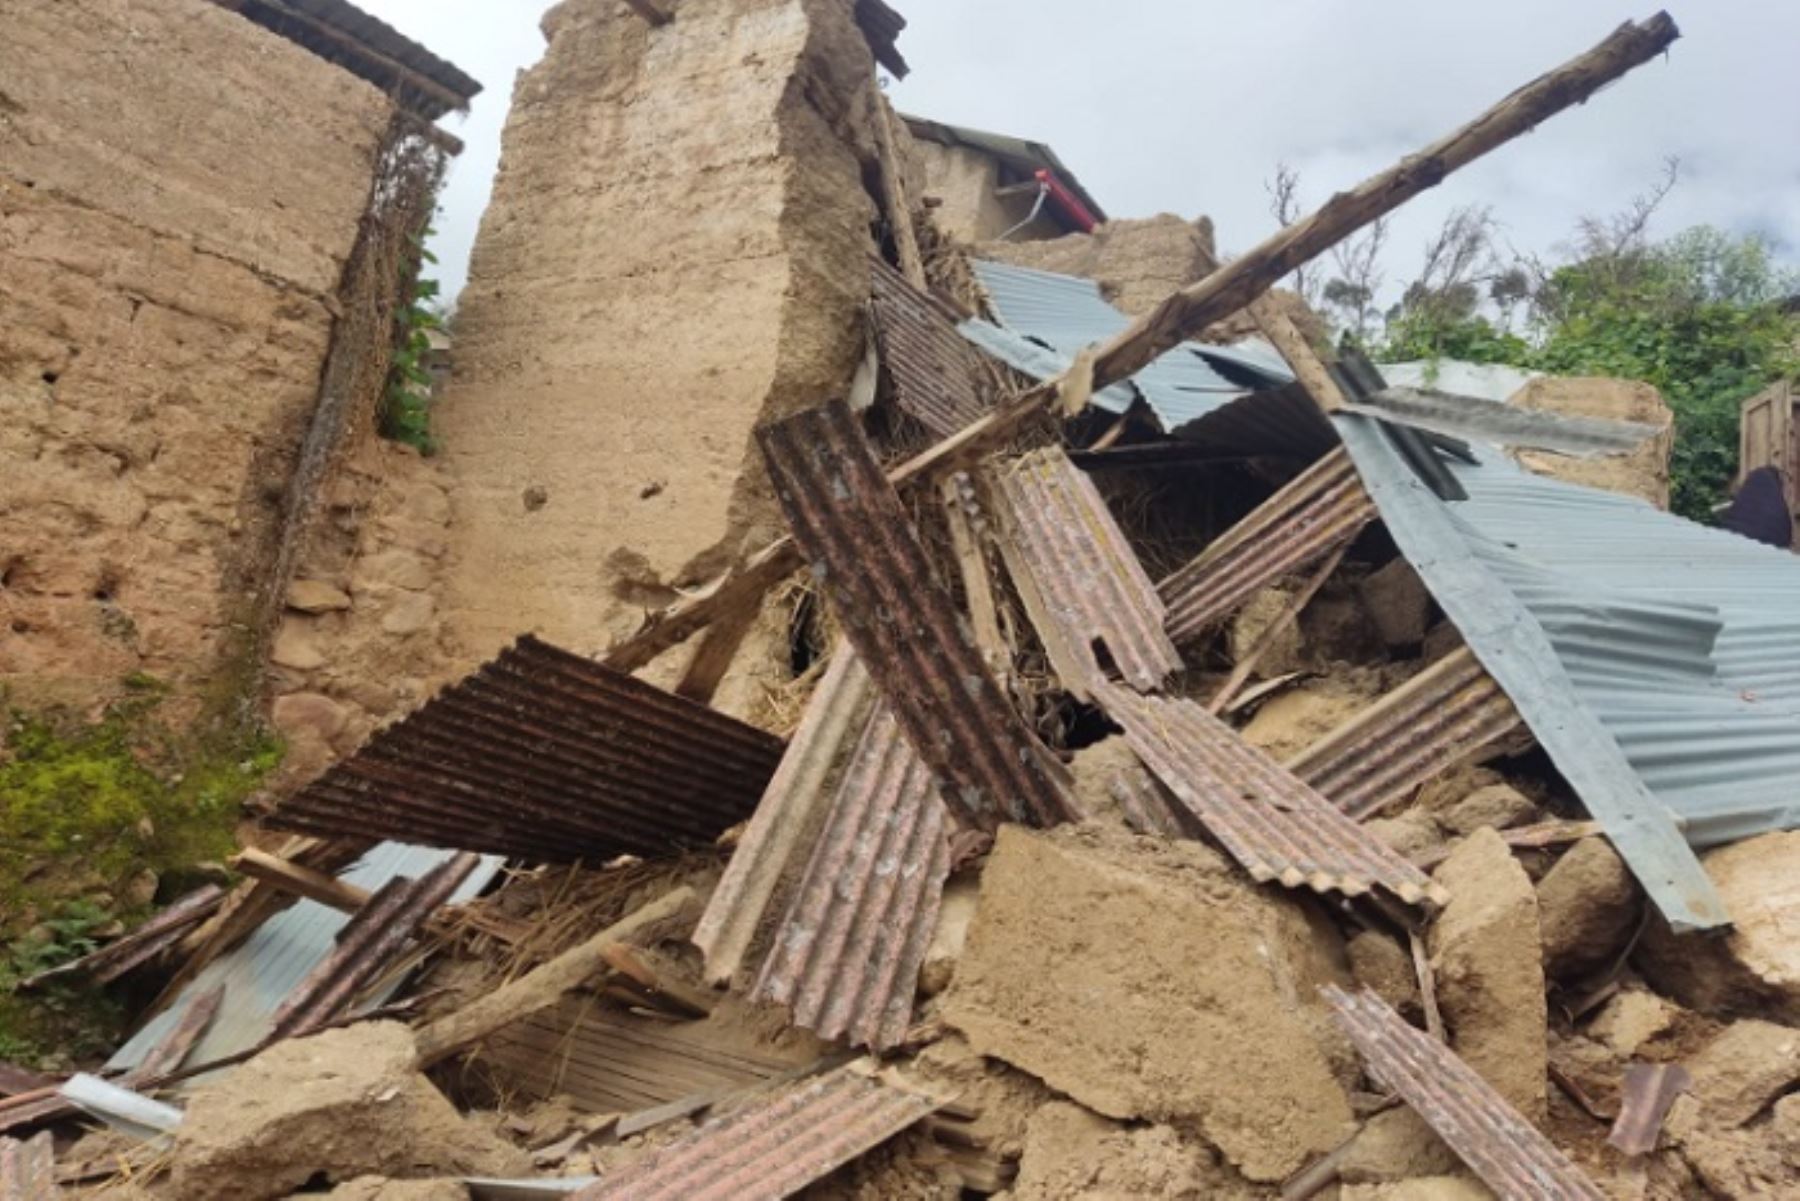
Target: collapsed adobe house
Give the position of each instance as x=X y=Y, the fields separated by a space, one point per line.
x=1234 y=776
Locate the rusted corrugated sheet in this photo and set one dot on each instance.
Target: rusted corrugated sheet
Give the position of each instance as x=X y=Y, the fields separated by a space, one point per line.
x=1502 y=1148
x=1434 y=721
x=28 y=1170
x=1274 y=825
x=1649 y=1093
x=849 y=522
x=1079 y=578
x=549 y=756
x=772 y=1149
x=612 y=1061
x=773 y=851
x=374 y=937
x=1321 y=508
x=931 y=366
x=143 y=944
x=845 y=958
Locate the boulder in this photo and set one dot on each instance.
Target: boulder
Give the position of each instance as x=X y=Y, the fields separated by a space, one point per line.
x=296 y=646
x=409 y=613
x=1150 y=980
x=1486 y=953
x=1394 y=1145
x=1379 y=962
x=309 y=712
x=1588 y=907
x=1071 y=1153
x=1748 y=1065
x=1494 y=807
x=339 y=1105
x=1631 y=1019
x=1250 y=625
x=1754 y=969
x=1397 y=602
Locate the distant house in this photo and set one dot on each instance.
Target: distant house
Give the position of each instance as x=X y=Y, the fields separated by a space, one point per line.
x=982 y=186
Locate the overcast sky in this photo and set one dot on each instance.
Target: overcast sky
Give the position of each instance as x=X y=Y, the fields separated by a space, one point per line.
x=1186 y=106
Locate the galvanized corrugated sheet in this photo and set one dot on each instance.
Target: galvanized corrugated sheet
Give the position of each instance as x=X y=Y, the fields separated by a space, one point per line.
x=845 y=957
x=264 y=970
x=1319 y=510
x=1626 y=664
x=1488 y=381
x=28 y=1169
x=1068 y=314
x=377 y=934
x=1038 y=361
x=1489 y=1135
x=1502 y=424
x=1439 y=718
x=771 y=854
x=848 y=520
x=298 y=21
x=1080 y=580
x=773 y=1149
x=611 y=1061
x=1276 y=827
x=933 y=369
x=549 y=756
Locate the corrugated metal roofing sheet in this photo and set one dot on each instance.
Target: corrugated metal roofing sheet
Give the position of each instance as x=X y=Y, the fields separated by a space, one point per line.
x=1439 y=718
x=1276 y=827
x=931 y=366
x=1319 y=510
x=1489 y=381
x=610 y=1060
x=774 y=1149
x=549 y=756
x=146 y=942
x=1489 y=1135
x=849 y=521
x=845 y=958
x=28 y=1169
x=1081 y=582
x=262 y=971
x=1474 y=578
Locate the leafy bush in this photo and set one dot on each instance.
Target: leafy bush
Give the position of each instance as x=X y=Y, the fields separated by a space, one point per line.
x=406 y=408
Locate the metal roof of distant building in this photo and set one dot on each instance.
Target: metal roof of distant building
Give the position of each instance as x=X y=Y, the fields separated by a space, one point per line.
x=1065 y=313
x=1022 y=153
x=1488 y=381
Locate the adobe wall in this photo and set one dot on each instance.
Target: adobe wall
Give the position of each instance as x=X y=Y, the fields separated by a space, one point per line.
x=676 y=250
x=960 y=184
x=179 y=190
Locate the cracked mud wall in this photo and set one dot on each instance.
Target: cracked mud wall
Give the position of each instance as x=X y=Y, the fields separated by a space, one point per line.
x=179 y=190
x=675 y=251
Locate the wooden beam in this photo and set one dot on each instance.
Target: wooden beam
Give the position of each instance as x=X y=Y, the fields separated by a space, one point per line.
x=1220 y=294
x=300 y=880
x=893 y=185
x=957 y=493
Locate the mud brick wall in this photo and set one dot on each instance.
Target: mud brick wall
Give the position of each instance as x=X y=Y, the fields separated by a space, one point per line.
x=179 y=190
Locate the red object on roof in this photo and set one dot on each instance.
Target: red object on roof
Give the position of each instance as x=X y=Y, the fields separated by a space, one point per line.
x=1067 y=201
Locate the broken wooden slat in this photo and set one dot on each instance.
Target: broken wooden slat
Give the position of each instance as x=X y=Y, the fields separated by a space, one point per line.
x=173 y=1049
x=143 y=944
x=1476 y=1122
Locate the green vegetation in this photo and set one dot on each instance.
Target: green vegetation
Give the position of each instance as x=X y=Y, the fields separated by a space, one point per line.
x=85 y=809
x=406 y=406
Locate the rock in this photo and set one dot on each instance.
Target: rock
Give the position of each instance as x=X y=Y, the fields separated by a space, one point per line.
x=393 y=568
x=1495 y=807
x=309 y=712
x=1096 y=769
x=139 y=889
x=1631 y=1019
x=955 y=913
x=1754 y=970
x=376 y=1188
x=1398 y=604
x=1413 y=833
x=1486 y=953
x=338 y=1105
x=1429 y=1188
x=316 y=596
x=409 y=614
x=1147 y=979
x=1440 y=640
x=1287 y=724
x=1587 y=908
x=1738 y=1165
x=1251 y=624
x=1743 y=1069
x=1380 y=963
x=1395 y=1144
x=1070 y=1153
x=295 y=646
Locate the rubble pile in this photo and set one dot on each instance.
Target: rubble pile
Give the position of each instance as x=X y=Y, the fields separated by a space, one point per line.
x=1171 y=818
